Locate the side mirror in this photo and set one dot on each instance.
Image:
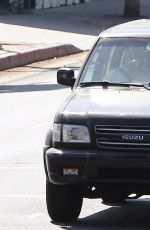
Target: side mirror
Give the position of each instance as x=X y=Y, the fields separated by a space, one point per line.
x=65 y=76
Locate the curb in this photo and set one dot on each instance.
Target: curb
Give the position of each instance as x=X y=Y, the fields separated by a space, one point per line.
x=22 y=58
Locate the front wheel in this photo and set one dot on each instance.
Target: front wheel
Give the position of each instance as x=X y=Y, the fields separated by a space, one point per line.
x=64 y=202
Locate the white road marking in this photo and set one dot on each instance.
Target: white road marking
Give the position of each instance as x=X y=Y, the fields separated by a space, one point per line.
x=20 y=167
x=35 y=215
x=22 y=196
x=39 y=126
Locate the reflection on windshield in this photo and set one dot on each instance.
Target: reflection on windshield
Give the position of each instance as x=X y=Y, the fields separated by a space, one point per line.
x=119 y=60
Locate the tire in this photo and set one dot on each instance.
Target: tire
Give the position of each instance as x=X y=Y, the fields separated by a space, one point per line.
x=64 y=202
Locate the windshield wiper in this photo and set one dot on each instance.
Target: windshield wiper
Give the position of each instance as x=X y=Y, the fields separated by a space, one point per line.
x=107 y=83
x=144 y=85
x=102 y=83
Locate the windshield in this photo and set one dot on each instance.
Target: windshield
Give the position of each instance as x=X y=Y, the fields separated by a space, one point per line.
x=123 y=60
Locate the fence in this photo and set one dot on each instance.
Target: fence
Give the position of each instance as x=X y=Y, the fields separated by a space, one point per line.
x=55 y=3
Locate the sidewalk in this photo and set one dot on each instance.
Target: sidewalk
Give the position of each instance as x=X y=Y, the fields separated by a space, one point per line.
x=49 y=33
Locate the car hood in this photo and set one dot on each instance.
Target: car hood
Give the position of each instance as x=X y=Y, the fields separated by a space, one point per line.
x=98 y=102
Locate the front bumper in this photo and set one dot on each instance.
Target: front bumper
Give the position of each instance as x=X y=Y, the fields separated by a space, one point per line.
x=97 y=166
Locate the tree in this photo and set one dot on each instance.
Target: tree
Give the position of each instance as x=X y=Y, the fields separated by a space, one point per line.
x=28 y=4
x=132 y=8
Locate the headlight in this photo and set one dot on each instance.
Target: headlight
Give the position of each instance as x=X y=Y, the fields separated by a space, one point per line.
x=75 y=133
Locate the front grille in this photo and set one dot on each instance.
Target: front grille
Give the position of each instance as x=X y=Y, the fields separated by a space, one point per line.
x=123 y=137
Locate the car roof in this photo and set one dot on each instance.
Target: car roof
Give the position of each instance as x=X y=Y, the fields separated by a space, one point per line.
x=137 y=28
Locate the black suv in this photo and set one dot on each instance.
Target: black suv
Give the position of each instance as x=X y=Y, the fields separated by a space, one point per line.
x=99 y=146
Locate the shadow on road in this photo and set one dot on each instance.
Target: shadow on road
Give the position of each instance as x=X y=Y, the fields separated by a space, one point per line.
x=35 y=69
x=29 y=88
x=134 y=215
x=89 y=18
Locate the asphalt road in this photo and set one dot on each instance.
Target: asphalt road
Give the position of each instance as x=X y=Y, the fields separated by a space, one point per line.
x=27 y=107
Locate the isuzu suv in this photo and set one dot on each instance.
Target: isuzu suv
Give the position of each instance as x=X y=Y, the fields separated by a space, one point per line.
x=99 y=146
